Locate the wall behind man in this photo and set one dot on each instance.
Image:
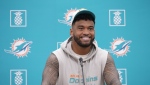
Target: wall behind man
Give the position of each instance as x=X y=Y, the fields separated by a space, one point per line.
x=31 y=29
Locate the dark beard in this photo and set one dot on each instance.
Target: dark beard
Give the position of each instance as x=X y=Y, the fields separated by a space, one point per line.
x=77 y=40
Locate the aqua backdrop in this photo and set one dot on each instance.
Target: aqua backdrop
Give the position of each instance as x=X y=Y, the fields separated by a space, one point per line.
x=31 y=29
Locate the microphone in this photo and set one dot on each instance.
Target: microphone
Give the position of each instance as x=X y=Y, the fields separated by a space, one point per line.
x=81 y=63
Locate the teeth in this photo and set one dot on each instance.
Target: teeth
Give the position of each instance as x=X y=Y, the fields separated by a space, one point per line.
x=85 y=38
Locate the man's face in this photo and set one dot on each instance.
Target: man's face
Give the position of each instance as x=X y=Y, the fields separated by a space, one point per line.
x=83 y=32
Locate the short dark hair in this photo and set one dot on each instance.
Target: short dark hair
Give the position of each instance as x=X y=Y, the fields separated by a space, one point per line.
x=83 y=17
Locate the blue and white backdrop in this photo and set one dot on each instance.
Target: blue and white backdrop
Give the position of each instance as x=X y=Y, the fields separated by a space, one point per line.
x=31 y=30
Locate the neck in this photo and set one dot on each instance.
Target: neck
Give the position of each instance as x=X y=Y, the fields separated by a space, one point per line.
x=80 y=50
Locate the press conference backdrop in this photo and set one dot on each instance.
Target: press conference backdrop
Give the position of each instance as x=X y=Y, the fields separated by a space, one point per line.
x=31 y=29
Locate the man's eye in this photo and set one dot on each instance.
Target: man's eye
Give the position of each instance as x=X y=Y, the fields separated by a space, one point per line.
x=80 y=28
x=91 y=28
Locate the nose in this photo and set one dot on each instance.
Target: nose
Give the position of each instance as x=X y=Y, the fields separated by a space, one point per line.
x=86 y=31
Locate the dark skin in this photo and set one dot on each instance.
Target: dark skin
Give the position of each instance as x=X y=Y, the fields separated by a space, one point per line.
x=81 y=29
x=82 y=32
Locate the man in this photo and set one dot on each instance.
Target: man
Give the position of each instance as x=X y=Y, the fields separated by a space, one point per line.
x=79 y=60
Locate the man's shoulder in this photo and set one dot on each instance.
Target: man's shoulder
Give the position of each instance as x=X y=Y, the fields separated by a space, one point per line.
x=102 y=50
x=57 y=50
x=102 y=53
x=59 y=53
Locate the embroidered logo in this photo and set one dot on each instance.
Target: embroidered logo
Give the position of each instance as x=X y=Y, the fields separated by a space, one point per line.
x=76 y=79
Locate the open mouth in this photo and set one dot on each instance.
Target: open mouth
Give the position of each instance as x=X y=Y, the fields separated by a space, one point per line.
x=85 y=38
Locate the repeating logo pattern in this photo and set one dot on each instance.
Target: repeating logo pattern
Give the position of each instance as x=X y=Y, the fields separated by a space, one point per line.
x=68 y=17
x=20 y=48
x=18 y=18
x=123 y=76
x=18 y=77
x=119 y=47
x=117 y=18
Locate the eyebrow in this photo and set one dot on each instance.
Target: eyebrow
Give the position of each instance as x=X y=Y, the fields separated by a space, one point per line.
x=83 y=26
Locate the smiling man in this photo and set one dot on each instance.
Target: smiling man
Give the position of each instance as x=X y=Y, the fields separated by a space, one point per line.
x=79 y=60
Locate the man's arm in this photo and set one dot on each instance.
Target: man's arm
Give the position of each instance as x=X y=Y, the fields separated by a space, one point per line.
x=111 y=75
x=51 y=70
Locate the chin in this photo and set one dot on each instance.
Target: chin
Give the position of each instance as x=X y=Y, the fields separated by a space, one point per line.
x=85 y=45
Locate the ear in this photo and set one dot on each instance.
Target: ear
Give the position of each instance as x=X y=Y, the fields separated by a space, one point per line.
x=71 y=32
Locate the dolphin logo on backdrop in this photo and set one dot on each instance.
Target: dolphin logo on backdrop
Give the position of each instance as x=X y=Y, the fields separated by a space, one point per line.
x=119 y=46
x=68 y=17
x=19 y=48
